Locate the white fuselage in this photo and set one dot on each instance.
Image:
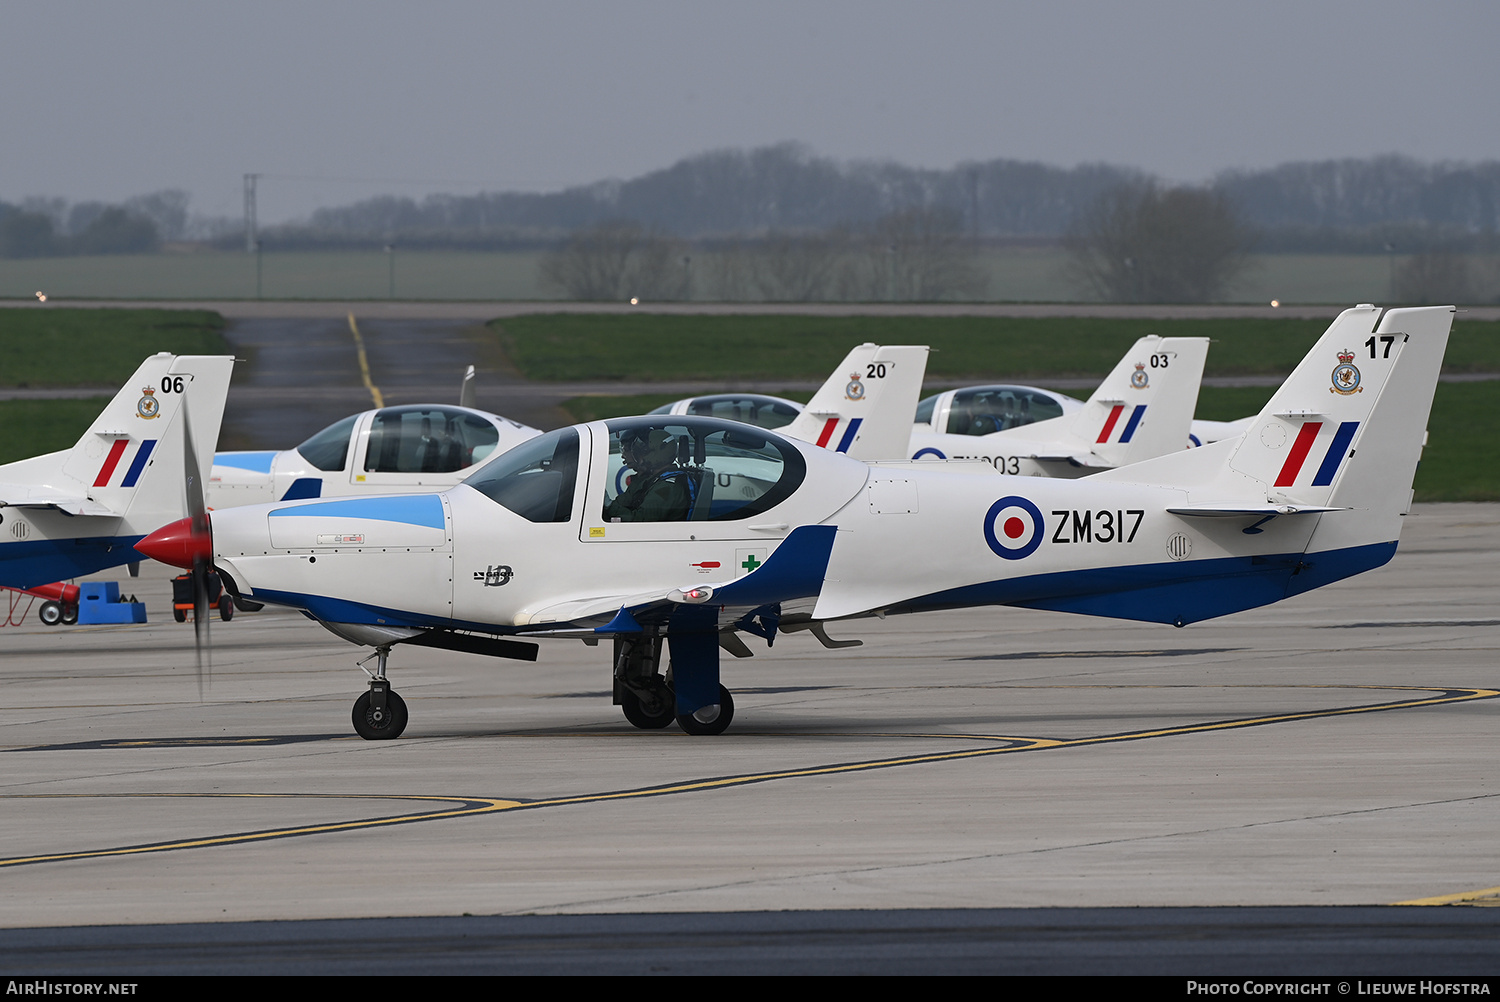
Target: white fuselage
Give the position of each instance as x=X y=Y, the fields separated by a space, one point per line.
x=909 y=536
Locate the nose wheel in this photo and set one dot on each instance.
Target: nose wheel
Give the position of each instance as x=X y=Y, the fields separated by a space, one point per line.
x=379 y=717
x=380 y=714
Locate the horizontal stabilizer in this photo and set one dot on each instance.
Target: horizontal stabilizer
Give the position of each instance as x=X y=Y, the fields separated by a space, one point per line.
x=1230 y=508
x=32 y=496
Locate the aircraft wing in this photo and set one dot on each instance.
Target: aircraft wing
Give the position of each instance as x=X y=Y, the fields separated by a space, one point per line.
x=794 y=570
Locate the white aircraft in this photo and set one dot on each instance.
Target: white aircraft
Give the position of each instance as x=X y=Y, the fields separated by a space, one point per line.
x=780 y=536
x=858 y=409
x=861 y=409
x=949 y=421
x=748 y=408
x=1209 y=432
x=417 y=447
x=1143 y=408
x=83 y=509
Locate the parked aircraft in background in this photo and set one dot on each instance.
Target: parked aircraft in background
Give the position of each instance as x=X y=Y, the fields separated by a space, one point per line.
x=417 y=447
x=953 y=411
x=861 y=409
x=1144 y=408
x=750 y=408
x=780 y=536
x=82 y=510
x=1209 y=432
x=969 y=410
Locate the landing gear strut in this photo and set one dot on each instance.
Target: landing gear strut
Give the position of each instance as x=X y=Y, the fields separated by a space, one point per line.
x=641 y=692
x=651 y=701
x=379 y=714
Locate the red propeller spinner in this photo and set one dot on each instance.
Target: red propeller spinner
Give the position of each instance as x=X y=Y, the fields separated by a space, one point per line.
x=179 y=544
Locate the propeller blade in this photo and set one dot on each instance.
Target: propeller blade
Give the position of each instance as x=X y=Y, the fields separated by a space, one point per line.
x=201 y=610
x=197 y=507
x=203 y=549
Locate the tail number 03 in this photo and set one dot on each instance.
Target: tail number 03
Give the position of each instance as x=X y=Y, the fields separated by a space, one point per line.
x=1102 y=526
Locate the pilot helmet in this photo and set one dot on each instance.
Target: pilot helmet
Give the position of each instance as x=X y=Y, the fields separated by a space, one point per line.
x=649 y=446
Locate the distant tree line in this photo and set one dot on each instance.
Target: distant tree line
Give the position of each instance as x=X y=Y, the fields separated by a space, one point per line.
x=1361 y=206
x=1357 y=206
x=781 y=224
x=46 y=227
x=913 y=255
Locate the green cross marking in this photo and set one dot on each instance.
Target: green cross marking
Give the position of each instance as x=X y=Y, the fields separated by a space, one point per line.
x=750 y=563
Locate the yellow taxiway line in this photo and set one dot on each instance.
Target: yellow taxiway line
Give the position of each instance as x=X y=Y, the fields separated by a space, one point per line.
x=471 y=806
x=1490 y=896
x=364 y=363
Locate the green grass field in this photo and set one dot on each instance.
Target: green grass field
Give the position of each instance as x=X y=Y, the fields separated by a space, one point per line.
x=37 y=427
x=57 y=346
x=646 y=346
x=63 y=347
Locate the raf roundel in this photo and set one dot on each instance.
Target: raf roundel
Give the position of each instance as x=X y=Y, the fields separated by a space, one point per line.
x=1013 y=527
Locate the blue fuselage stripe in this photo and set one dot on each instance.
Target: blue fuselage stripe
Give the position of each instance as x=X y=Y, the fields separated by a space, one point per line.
x=1169 y=592
x=38 y=562
x=413 y=509
x=256 y=462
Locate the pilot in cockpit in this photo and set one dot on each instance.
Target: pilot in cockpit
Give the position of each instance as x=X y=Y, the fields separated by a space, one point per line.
x=658 y=492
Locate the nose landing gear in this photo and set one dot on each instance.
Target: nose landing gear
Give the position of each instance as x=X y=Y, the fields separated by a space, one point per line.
x=380 y=714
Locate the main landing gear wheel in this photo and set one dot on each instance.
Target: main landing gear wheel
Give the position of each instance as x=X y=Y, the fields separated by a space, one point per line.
x=70 y=614
x=717 y=723
x=51 y=613
x=653 y=715
x=379 y=725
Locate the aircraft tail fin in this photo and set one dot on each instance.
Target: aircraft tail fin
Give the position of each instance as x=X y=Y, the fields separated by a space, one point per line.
x=130 y=460
x=865 y=408
x=1339 y=441
x=1364 y=390
x=1144 y=408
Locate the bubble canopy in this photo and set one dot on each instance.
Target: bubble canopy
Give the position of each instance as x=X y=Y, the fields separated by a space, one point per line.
x=699 y=469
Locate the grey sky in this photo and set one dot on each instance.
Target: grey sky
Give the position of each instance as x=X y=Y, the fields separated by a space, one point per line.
x=104 y=100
